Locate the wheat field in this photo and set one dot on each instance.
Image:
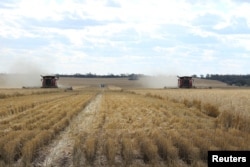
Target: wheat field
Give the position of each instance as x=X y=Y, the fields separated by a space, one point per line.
x=138 y=130
x=121 y=127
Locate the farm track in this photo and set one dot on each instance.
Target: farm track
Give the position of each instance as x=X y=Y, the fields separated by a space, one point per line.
x=59 y=153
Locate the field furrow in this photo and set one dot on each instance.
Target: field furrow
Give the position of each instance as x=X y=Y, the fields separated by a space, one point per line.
x=59 y=153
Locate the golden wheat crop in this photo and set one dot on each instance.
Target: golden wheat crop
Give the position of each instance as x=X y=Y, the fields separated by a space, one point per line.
x=237 y=100
x=230 y=106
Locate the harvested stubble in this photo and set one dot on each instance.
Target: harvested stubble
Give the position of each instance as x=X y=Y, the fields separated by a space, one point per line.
x=149 y=150
x=90 y=149
x=129 y=129
x=110 y=150
x=157 y=131
x=15 y=106
x=24 y=131
x=166 y=149
x=128 y=146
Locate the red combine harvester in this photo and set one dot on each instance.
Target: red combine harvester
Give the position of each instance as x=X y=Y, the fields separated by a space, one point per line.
x=49 y=81
x=185 y=82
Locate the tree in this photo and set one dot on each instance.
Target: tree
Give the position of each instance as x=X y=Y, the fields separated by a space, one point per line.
x=194 y=76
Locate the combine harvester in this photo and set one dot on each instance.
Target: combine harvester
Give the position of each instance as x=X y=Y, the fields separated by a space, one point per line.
x=49 y=81
x=185 y=82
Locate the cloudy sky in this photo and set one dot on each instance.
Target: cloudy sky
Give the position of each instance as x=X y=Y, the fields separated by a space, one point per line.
x=181 y=37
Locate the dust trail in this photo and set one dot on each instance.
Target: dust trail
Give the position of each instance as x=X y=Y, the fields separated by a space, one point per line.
x=159 y=81
x=61 y=150
x=23 y=73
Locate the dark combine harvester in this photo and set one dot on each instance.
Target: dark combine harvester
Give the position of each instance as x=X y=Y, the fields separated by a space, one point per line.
x=49 y=81
x=185 y=82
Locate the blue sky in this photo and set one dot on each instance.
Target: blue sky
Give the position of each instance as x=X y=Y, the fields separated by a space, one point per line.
x=173 y=37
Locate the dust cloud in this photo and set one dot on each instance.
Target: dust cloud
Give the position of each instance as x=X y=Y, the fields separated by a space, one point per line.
x=159 y=81
x=22 y=74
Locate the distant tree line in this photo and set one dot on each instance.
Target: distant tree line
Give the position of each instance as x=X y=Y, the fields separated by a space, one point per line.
x=91 y=75
x=237 y=80
x=230 y=79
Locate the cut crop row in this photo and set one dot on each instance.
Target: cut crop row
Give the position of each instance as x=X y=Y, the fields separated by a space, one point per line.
x=38 y=126
x=15 y=105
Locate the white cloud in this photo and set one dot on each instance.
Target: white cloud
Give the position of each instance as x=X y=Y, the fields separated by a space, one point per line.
x=208 y=55
x=133 y=36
